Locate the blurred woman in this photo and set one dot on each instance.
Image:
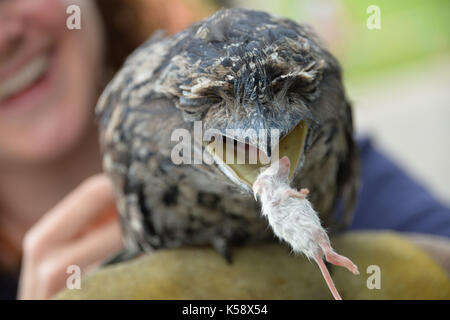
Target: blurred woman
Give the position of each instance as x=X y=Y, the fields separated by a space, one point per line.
x=56 y=209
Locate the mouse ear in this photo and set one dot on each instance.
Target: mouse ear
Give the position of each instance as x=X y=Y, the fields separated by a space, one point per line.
x=284 y=165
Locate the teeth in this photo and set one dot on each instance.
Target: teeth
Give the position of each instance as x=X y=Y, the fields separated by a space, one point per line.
x=24 y=77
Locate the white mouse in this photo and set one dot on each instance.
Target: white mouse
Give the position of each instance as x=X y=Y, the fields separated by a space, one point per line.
x=294 y=220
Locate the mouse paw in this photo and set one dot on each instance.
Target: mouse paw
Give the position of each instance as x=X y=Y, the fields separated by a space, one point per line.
x=296 y=194
x=304 y=191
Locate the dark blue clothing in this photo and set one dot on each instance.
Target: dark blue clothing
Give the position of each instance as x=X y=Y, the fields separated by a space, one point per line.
x=8 y=286
x=389 y=199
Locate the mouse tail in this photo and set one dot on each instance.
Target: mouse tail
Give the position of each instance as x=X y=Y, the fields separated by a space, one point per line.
x=327 y=277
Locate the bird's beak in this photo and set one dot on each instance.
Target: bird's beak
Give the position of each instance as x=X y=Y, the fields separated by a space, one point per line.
x=245 y=174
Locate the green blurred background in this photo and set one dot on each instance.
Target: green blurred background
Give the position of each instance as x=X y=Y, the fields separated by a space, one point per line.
x=397 y=77
x=411 y=30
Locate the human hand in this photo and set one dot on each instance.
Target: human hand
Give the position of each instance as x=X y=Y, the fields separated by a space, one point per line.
x=83 y=230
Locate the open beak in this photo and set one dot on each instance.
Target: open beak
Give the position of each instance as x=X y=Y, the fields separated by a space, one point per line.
x=245 y=174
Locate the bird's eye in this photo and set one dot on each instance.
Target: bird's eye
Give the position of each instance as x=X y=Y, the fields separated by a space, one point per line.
x=276 y=75
x=194 y=108
x=286 y=84
x=197 y=102
x=301 y=86
x=277 y=84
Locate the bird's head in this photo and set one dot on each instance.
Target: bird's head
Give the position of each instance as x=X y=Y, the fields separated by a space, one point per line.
x=252 y=78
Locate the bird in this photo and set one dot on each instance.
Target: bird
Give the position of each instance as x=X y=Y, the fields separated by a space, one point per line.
x=235 y=71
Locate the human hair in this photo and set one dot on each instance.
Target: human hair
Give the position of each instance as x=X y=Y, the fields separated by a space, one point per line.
x=128 y=23
x=125 y=29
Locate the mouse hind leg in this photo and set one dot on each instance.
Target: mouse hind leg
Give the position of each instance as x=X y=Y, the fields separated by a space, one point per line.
x=333 y=257
x=338 y=260
x=326 y=275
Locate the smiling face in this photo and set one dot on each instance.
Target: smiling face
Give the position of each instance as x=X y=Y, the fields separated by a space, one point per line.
x=49 y=78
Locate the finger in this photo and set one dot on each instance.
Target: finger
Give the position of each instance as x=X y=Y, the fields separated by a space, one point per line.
x=96 y=246
x=85 y=253
x=108 y=215
x=61 y=223
x=42 y=279
x=27 y=284
x=80 y=207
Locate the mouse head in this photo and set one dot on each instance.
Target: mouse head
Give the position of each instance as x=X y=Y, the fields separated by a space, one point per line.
x=270 y=177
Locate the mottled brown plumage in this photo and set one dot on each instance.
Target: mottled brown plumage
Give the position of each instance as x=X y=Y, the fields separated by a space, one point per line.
x=237 y=69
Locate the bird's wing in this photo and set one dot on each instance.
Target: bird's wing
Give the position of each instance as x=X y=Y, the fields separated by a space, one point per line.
x=135 y=124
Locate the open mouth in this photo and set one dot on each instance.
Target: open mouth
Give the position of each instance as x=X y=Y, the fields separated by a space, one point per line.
x=244 y=173
x=24 y=78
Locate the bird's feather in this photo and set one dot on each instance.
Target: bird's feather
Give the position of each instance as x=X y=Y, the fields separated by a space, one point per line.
x=236 y=69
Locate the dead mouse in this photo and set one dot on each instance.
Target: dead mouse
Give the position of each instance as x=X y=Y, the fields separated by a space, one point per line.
x=293 y=219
